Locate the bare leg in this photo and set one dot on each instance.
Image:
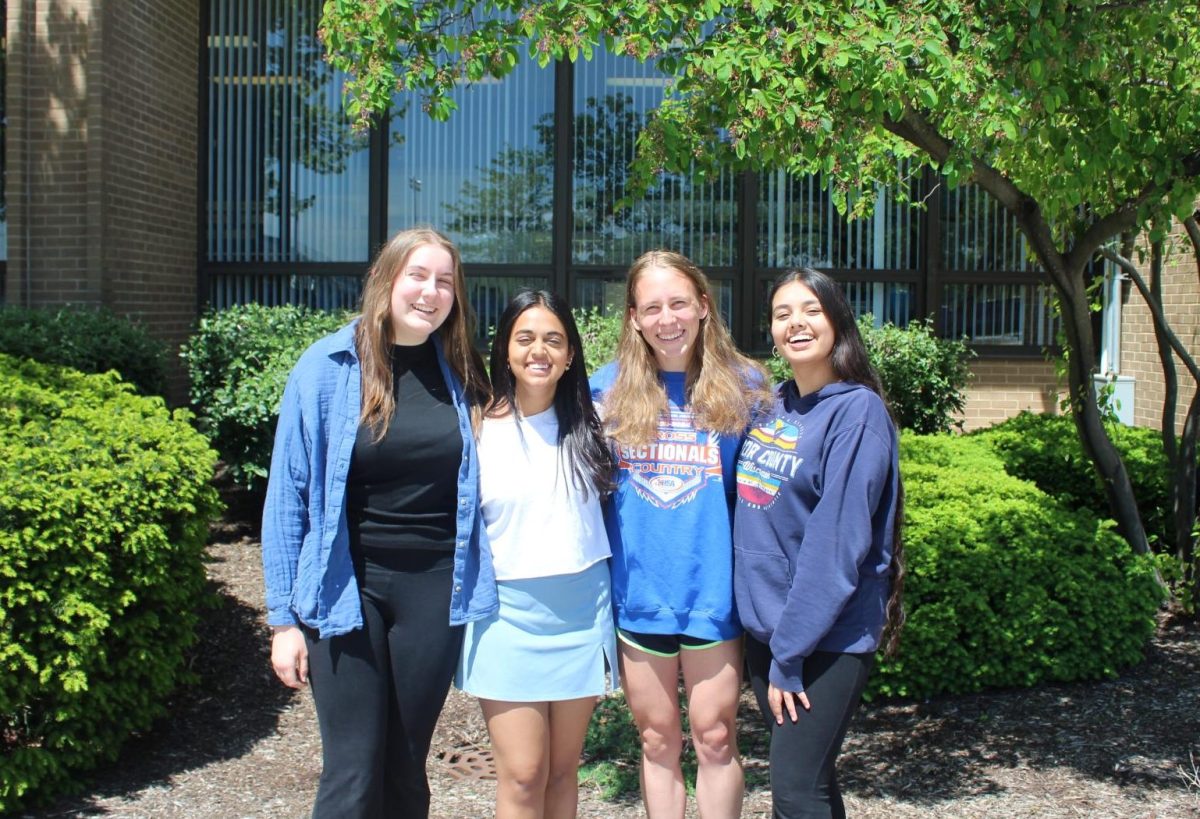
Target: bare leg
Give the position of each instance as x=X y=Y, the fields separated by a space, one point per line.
x=520 y=733
x=712 y=678
x=651 y=686
x=568 y=727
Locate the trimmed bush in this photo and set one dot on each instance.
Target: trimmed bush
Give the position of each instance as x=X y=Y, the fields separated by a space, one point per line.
x=105 y=502
x=925 y=377
x=1045 y=449
x=1006 y=586
x=238 y=363
x=88 y=340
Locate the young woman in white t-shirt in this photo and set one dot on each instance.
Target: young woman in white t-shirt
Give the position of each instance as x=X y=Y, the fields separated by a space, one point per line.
x=539 y=664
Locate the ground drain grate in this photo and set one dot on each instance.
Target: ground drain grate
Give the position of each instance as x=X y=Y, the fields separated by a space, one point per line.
x=469 y=762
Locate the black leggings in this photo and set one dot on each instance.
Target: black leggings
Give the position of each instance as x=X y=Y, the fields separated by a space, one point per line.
x=379 y=690
x=804 y=753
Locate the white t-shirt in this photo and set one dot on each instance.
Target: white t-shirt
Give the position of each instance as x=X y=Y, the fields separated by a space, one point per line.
x=537 y=522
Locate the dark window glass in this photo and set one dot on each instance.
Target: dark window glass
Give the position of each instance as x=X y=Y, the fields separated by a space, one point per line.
x=981 y=247
x=485 y=177
x=613 y=95
x=287 y=175
x=799 y=226
x=3 y=145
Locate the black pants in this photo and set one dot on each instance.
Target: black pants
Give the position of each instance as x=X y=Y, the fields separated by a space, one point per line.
x=804 y=753
x=379 y=690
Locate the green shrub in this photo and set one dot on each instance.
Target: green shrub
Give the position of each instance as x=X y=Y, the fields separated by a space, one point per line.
x=1045 y=449
x=925 y=377
x=88 y=340
x=238 y=362
x=600 y=332
x=1006 y=586
x=105 y=502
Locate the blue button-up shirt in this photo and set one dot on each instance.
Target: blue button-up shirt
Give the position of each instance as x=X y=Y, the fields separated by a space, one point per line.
x=307 y=567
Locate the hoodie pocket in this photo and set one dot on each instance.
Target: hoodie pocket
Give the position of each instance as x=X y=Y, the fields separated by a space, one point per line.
x=761 y=583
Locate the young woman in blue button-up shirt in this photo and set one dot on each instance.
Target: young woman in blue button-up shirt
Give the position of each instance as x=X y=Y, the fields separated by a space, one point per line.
x=372 y=533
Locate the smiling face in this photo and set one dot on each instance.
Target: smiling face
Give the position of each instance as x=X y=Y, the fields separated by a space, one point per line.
x=538 y=355
x=422 y=294
x=668 y=313
x=803 y=335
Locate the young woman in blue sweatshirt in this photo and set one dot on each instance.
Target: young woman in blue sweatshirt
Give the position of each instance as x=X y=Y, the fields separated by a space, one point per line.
x=817 y=556
x=675 y=403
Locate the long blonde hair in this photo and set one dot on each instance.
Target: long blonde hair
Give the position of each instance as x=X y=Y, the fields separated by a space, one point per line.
x=373 y=337
x=723 y=386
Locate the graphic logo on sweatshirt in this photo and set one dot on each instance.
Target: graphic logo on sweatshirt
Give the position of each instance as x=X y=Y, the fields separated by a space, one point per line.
x=768 y=458
x=673 y=469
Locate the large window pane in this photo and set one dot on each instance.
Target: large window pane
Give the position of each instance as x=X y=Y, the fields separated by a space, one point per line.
x=978 y=235
x=3 y=149
x=888 y=302
x=489 y=296
x=287 y=176
x=981 y=246
x=613 y=95
x=799 y=226
x=323 y=292
x=1000 y=314
x=486 y=177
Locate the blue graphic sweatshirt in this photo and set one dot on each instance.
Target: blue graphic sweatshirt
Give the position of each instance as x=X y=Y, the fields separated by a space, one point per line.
x=817 y=484
x=669 y=524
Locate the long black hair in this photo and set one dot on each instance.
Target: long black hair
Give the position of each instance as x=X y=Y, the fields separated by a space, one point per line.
x=582 y=447
x=851 y=363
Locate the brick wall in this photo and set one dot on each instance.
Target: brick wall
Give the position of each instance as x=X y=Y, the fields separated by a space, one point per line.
x=1000 y=388
x=1139 y=350
x=103 y=137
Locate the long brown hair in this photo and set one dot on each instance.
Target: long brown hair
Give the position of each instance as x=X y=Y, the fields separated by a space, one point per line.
x=373 y=337
x=724 y=387
x=851 y=362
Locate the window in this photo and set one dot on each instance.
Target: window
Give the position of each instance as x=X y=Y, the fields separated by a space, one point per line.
x=287 y=175
x=991 y=292
x=486 y=177
x=613 y=95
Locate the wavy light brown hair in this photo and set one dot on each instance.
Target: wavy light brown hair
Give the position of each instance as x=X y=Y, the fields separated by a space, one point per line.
x=373 y=337
x=724 y=387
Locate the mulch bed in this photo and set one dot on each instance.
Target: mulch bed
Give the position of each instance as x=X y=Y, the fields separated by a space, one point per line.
x=242 y=745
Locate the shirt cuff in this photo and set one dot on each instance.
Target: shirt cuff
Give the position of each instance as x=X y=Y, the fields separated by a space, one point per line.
x=789 y=677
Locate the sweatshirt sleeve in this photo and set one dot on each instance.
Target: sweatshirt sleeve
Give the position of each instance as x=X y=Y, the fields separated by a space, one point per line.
x=854 y=469
x=285 y=512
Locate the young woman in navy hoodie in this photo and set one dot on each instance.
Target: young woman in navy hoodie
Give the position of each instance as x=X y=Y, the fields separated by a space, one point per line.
x=817 y=555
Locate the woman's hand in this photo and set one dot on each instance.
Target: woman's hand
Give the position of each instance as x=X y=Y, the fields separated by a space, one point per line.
x=778 y=699
x=289 y=656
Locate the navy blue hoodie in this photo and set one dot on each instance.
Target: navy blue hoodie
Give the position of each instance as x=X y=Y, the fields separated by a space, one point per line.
x=817 y=481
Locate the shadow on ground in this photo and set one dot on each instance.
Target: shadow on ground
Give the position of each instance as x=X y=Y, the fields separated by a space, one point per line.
x=237 y=702
x=1138 y=729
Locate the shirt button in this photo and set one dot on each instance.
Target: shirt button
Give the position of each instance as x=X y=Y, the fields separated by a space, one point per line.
x=458 y=588
x=462 y=504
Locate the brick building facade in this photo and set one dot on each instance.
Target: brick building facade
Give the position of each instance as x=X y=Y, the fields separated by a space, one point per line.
x=102 y=144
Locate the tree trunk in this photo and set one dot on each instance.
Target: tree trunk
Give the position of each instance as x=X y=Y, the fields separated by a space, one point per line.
x=1081 y=352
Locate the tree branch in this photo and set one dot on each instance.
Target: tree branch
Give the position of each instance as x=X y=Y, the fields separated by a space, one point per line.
x=916 y=130
x=1193 y=231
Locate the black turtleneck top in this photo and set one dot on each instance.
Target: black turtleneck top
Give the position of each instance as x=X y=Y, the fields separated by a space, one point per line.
x=402 y=491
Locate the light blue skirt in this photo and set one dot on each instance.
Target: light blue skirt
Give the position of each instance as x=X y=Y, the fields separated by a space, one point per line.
x=553 y=638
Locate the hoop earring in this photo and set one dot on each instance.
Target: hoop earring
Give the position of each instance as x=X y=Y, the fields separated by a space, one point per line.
x=774 y=352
